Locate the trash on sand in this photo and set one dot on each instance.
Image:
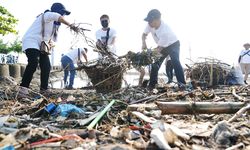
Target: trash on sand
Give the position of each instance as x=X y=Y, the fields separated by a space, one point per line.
x=65 y=110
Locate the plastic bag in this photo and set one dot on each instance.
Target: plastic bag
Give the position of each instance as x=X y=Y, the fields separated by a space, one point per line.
x=64 y=110
x=235 y=76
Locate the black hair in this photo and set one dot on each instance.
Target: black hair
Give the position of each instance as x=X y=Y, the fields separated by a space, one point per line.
x=104 y=16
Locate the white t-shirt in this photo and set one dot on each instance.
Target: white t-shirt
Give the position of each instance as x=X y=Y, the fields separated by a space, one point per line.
x=73 y=54
x=246 y=58
x=33 y=37
x=163 y=36
x=101 y=35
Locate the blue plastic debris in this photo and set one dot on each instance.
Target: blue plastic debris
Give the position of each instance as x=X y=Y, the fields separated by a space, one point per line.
x=8 y=147
x=50 y=107
x=64 y=110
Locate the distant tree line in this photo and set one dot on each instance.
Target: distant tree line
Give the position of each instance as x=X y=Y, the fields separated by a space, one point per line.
x=7 y=26
x=5 y=48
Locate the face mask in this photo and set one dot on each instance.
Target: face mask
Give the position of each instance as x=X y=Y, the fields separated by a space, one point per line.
x=104 y=23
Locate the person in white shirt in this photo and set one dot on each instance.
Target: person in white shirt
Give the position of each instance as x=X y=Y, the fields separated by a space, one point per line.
x=169 y=69
x=244 y=60
x=68 y=60
x=168 y=44
x=31 y=44
x=106 y=36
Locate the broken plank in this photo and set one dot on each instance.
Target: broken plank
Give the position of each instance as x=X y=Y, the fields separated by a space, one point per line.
x=199 y=107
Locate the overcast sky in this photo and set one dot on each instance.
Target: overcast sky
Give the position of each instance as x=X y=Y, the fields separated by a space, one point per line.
x=215 y=28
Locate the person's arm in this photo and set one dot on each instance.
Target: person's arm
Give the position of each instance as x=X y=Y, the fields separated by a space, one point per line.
x=85 y=56
x=64 y=21
x=114 y=35
x=144 y=44
x=144 y=37
x=113 y=41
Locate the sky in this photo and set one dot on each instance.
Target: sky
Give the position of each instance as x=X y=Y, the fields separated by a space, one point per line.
x=205 y=28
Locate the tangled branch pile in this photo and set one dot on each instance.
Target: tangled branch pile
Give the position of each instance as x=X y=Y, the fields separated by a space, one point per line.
x=106 y=74
x=211 y=71
x=143 y=58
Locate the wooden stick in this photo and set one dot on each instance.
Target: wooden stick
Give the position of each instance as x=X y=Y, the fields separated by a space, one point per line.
x=239 y=113
x=236 y=146
x=135 y=107
x=236 y=95
x=199 y=107
x=150 y=98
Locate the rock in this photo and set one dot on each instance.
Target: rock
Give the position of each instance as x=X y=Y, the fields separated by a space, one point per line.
x=223 y=135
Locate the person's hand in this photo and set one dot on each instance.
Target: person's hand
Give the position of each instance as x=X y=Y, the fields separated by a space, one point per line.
x=100 y=45
x=79 y=63
x=51 y=44
x=74 y=27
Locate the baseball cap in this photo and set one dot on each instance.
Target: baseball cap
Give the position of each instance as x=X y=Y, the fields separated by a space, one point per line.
x=59 y=8
x=153 y=14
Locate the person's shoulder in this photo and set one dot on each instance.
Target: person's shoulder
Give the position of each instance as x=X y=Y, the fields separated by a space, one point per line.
x=99 y=31
x=51 y=15
x=112 y=30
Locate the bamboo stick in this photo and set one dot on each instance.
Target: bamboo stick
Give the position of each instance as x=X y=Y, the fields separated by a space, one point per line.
x=199 y=107
x=94 y=122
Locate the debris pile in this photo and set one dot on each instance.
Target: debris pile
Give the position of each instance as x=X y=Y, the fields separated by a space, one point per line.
x=106 y=74
x=128 y=118
x=210 y=71
x=143 y=58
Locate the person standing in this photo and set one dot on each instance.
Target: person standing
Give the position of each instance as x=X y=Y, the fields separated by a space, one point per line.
x=68 y=60
x=244 y=61
x=106 y=36
x=169 y=69
x=31 y=42
x=168 y=44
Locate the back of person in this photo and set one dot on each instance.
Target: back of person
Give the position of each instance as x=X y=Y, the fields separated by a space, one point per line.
x=74 y=54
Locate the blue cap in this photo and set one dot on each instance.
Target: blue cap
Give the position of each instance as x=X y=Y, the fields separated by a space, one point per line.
x=152 y=15
x=59 y=8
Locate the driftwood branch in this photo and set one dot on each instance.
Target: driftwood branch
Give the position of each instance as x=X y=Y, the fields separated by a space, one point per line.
x=236 y=95
x=199 y=107
x=239 y=113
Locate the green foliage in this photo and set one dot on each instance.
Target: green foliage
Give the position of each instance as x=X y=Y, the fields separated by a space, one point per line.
x=7 y=22
x=16 y=46
x=5 y=48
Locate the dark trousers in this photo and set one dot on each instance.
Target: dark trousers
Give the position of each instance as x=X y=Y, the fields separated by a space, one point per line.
x=173 y=51
x=169 y=70
x=34 y=57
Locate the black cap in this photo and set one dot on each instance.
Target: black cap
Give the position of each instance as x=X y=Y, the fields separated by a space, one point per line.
x=152 y=15
x=59 y=8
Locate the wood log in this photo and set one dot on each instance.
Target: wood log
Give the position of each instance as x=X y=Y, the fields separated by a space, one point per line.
x=199 y=107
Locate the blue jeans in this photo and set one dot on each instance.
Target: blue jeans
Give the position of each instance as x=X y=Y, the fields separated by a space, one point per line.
x=68 y=66
x=173 y=51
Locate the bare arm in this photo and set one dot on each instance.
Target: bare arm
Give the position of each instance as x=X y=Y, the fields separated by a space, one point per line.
x=72 y=26
x=113 y=41
x=62 y=20
x=144 y=44
x=85 y=57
